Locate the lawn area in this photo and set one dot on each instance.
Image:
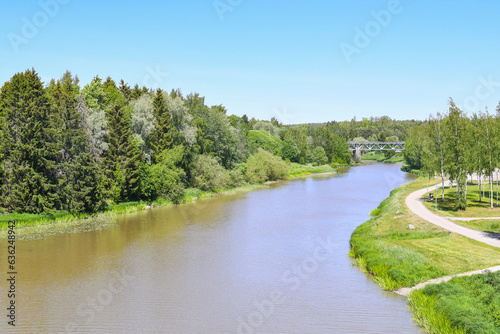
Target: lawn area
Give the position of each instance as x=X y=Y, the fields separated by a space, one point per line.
x=475 y=208
x=398 y=256
x=487 y=225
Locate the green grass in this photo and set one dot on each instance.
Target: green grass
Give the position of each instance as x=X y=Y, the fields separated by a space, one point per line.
x=475 y=208
x=297 y=170
x=462 y=305
x=398 y=158
x=486 y=225
x=28 y=219
x=397 y=256
x=379 y=156
x=56 y=227
x=374 y=155
x=427 y=314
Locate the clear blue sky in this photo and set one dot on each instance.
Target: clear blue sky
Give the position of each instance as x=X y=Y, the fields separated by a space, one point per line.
x=270 y=58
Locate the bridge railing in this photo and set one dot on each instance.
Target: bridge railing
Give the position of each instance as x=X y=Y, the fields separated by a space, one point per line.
x=376 y=146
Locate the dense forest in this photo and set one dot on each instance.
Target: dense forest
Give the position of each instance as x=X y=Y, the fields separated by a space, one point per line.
x=79 y=149
x=457 y=146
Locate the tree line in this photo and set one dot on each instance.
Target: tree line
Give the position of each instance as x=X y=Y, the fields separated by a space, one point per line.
x=79 y=149
x=458 y=146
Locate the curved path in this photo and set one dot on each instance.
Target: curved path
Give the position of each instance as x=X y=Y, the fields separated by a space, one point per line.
x=414 y=203
x=406 y=291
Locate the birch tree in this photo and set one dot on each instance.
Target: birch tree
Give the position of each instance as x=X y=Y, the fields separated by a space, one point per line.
x=436 y=146
x=456 y=151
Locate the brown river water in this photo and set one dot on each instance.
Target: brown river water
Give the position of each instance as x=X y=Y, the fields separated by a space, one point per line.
x=267 y=261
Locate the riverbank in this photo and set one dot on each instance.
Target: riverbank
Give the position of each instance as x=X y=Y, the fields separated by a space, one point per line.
x=41 y=226
x=380 y=156
x=33 y=226
x=399 y=255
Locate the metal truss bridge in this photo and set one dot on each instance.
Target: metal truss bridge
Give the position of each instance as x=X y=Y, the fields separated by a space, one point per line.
x=376 y=146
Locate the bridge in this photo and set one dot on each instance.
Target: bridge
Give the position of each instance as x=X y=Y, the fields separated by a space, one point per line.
x=376 y=146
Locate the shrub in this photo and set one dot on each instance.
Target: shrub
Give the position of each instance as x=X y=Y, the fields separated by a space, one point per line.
x=209 y=174
x=236 y=178
x=165 y=177
x=263 y=166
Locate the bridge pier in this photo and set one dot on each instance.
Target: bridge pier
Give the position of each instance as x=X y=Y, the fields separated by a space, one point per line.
x=356 y=155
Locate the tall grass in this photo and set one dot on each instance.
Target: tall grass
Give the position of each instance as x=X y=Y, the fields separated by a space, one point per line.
x=393 y=266
x=471 y=304
x=427 y=315
x=398 y=256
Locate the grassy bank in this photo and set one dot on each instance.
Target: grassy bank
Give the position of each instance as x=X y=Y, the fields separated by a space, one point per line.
x=397 y=256
x=379 y=156
x=34 y=226
x=297 y=170
x=462 y=305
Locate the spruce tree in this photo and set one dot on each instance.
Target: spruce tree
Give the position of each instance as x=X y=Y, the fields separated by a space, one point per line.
x=123 y=156
x=136 y=92
x=78 y=174
x=29 y=164
x=125 y=90
x=161 y=138
x=115 y=96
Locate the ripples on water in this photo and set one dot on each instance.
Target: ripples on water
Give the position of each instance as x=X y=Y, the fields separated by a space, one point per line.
x=268 y=261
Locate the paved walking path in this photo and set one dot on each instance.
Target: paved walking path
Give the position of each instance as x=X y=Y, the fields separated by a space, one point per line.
x=406 y=291
x=414 y=203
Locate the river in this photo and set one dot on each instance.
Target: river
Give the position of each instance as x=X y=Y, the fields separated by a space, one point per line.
x=267 y=261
